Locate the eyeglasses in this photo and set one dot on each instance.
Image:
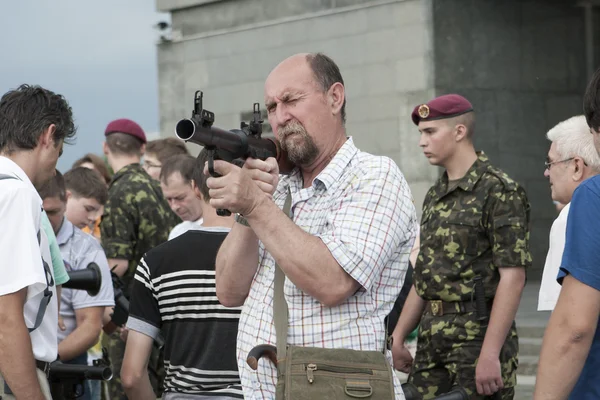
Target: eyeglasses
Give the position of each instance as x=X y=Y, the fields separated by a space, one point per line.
x=549 y=164
x=149 y=165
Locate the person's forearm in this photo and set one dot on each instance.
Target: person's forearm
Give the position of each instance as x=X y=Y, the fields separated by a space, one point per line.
x=141 y=390
x=17 y=363
x=410 y=316
x=79 y=341
x=236 y=265
x=504 y=309
x=303 y=257
x=118 y=265
x=561 y=360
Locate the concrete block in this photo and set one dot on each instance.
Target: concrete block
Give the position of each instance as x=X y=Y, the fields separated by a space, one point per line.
x=336 y=25
x=372 y=108
x=415 y=11
x=379 y=78
x=412 y=40
x=343 y=50
x=194 y=50
x=376 y=137
x=170 y=53
x=354 y=82
x=196 y=75
x=414 y=74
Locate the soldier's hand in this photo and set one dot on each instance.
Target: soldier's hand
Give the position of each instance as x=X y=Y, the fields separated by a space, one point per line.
x=264 y=173
x=403 y=360
x=488 y=376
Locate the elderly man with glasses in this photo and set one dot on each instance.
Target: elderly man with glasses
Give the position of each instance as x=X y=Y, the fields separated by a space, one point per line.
x=572 y=158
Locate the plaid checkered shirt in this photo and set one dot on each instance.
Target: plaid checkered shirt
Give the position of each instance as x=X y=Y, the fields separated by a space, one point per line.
x=361 y=207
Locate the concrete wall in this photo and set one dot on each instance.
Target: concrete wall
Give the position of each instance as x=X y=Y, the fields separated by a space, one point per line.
x=522 y=66
x=384 y=50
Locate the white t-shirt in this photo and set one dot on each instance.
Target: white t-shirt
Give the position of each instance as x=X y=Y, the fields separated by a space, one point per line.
x=185 y=226
x=549 y=288
x=21 y=267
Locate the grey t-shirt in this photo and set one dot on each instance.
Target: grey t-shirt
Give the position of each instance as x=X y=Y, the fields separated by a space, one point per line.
x=78 y=250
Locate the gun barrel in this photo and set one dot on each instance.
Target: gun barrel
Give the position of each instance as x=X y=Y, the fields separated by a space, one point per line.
x=232 y=142
x=60 y=371
x=89 y=279
x=235 y=143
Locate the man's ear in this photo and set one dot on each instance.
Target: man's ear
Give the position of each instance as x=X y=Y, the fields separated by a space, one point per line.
x=69 y=194
x=460 y=132
x=196 y=190
x=578 y=169
x=47 y=136
x=335 y=96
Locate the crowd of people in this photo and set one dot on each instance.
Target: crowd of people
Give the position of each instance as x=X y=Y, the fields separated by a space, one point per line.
x=330 y=256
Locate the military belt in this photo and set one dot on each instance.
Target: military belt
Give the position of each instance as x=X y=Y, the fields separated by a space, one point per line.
x=439 y=308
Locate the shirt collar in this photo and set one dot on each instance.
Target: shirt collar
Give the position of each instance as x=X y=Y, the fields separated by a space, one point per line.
x=125 y=170
x=65 y=232
x=8 y=166
x=467 y=182
x=334 y=170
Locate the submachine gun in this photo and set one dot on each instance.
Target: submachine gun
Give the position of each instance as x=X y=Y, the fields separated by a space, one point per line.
x=232 y=146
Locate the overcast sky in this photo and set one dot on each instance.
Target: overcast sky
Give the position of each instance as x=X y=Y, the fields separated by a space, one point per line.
x=100 y=55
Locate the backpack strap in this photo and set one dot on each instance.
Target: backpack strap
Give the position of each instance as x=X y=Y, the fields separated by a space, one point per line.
x=47 y=273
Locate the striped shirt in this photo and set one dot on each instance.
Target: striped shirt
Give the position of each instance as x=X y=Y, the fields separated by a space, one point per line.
x=361 y=207
x=174 y=294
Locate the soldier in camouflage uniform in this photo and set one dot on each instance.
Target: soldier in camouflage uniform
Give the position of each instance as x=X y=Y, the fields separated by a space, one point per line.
x=474 y=228
x=136 y=218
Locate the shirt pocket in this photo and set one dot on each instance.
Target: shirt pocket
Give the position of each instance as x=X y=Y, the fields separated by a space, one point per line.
x=465 y=235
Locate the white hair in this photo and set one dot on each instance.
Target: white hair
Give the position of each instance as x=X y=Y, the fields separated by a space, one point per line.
x=574 y=139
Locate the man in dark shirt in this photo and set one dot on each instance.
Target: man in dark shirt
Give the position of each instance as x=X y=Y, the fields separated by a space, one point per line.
x=174 y=292
x=136 y=218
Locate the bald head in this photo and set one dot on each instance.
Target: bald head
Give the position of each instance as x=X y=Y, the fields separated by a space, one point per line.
x=312 y=69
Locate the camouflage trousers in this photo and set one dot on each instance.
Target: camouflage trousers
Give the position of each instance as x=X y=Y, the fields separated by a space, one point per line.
x=116 y=351
x=448 y=347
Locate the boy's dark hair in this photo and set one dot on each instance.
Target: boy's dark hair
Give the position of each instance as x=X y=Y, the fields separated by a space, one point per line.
x=124 y=144
x=591 y=102
x=86 y=183
x=98 y=164
x=54 y=187
x=29 y=110
x=198 y=174
x=166 y=148
x=326 y=73
x=182 y=163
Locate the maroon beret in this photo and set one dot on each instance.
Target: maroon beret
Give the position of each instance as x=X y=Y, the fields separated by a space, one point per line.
x=447 y=106
x=126 y=126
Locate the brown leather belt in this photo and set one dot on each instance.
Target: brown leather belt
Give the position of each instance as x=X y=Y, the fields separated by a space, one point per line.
x=439 y=307
x=43 y=366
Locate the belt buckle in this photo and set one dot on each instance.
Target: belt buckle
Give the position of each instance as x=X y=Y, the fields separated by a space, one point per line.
x=436 y=308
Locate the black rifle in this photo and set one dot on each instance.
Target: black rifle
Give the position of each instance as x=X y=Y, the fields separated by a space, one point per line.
x=237 y=144
x=67 y=381
x=89 y=279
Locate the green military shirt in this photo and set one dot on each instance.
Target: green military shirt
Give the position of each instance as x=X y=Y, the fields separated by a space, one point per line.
x=136 y=217
x=474 y=227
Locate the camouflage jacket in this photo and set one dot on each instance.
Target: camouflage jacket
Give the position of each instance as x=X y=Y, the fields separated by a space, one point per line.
x=469 y=229
x=136 y=217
